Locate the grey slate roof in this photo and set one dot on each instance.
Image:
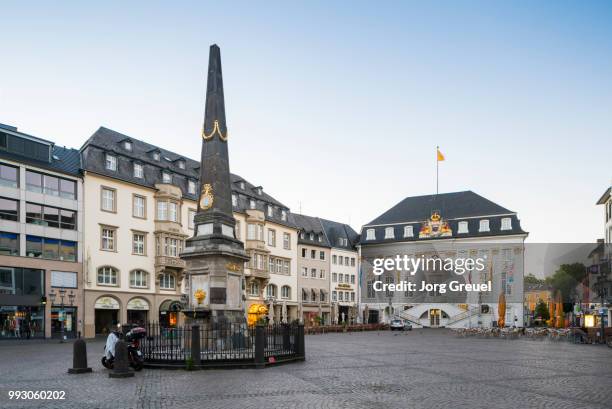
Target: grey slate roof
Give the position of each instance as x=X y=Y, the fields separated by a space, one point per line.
x=450 y=205
x=63 y=160
x=107 y=140
x=454 y=207
x=336 y=230
x=329 y=231
x=307 y=225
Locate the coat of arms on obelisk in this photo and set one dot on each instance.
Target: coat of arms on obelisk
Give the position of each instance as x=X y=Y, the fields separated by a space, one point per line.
x=207 y=198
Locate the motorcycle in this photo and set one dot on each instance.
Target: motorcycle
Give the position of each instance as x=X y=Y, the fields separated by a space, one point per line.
x=132 y=338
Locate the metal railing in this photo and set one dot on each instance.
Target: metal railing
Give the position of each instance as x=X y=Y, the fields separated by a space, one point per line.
x=219 y=343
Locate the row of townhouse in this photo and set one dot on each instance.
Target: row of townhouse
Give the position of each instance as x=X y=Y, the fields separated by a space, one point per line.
x=92 y=238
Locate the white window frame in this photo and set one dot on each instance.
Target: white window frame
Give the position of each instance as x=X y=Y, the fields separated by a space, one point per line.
x=139 y=279
x=408 y=231
x=138 y=210
x=109 y=239
x=191 y=187
x=110 y=163
x=166 y=177
x=463 y=227
x=137 y=245
x=506 y=223
x=165 y=280
x=370 y=234
x=109 y=197
x=389 y=233
x=484 y=225
x=138 y=170
x=109 y=276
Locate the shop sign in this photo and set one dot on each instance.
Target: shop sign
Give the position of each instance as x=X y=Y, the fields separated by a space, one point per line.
x=138 y=304
x=106 y=303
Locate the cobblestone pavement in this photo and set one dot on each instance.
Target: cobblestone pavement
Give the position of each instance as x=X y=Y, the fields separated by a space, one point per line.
x=418 y=369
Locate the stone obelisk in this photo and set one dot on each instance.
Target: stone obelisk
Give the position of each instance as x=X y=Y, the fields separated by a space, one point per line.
x=214 y=257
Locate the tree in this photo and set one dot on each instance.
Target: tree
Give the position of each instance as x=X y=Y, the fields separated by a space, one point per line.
x=531 y=279
x=566 y=279
x=541 y=311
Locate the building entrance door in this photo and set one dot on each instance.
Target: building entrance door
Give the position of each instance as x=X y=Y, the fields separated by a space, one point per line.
x=434 y=317
x=106 y=321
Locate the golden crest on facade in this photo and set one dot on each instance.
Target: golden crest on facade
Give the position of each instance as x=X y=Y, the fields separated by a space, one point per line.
x=200 y=295
x=435 y=227
x=206 y=198
x=233 y=267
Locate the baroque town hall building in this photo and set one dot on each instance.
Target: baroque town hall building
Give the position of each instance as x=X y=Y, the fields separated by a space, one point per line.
x=446 y=225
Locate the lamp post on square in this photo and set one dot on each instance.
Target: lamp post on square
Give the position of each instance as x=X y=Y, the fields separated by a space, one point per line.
x=62 y=294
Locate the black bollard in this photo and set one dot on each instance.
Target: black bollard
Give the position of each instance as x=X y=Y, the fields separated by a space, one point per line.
x=260 y=345
x=121 y=368
x=196 y=356
x=299 y=345
x=79 y=358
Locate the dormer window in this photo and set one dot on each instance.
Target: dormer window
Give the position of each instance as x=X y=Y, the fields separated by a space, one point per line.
x=252 y=204
x=389 y=233
x=302 y=235
x=370 y=234
x=463 y=228
x=111 y=162
x=320 y=238
x=284 y=215
x=311 y=236
x=259 y=190
x=484 y=225
x=242 y=185
x=155 y=155
x=138 y=171
x=234 y=200
x=166 y=177
x=408 y=231
x=506 y=223
x=181 y=164
x=191 y=187
x=270 y=211
x=127 y=145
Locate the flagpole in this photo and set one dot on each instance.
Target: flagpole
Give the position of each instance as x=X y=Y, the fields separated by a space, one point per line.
x=437 y=166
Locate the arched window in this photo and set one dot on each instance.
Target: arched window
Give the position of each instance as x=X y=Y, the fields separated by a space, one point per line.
x=166 y=281
x=285 y=291
x=139 y=279
x=271 y=290
x=254 y=288
x=107 y=275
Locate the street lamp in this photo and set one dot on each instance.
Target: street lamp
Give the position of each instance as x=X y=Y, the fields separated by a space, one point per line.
x=62 y=295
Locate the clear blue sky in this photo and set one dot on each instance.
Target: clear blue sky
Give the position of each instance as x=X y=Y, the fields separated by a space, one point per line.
x=339 y=107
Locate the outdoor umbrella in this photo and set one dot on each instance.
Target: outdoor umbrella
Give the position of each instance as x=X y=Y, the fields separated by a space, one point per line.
x=284 y=312
x=366 y=313
x=271 y=312
x=551 y=312
x=501 y=321
x=559 y=302
x=320 y=310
